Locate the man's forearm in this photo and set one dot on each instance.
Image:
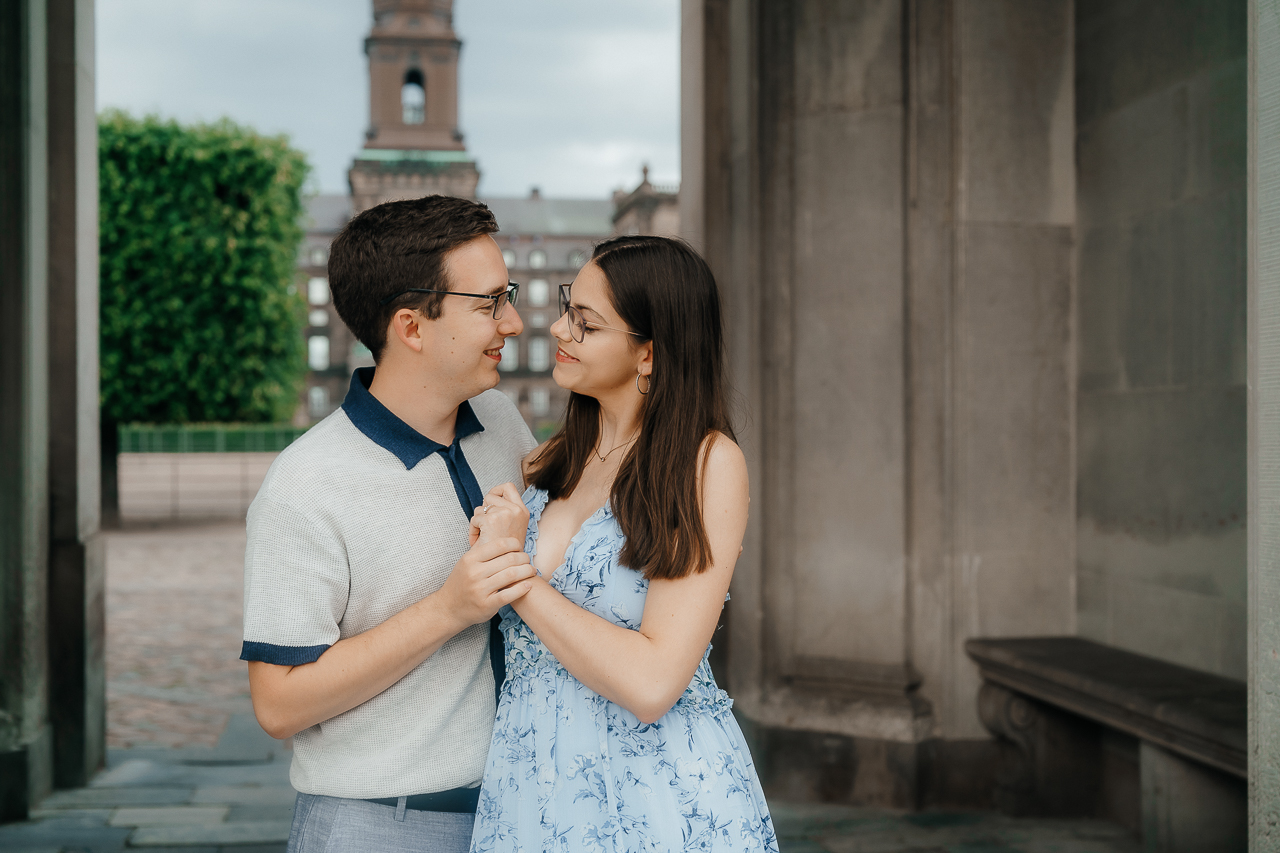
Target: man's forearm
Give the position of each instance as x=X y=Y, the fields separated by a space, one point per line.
x=288 y=699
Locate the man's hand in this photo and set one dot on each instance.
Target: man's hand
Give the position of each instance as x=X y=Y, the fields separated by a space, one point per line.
x=492 y=574
x=288 y=699
x=502 y=515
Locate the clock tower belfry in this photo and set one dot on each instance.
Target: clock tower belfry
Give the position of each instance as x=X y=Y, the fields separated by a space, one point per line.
x=413 y=146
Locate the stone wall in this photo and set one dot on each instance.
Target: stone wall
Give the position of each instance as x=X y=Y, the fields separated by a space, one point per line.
x=885 y=190
x=1160 y=135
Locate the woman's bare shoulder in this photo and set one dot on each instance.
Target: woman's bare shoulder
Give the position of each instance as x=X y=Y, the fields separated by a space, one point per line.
x=718 y=449
x=721 y=460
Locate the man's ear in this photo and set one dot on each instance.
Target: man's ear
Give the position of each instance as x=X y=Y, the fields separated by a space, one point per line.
x=645 y=366
x=406 y=329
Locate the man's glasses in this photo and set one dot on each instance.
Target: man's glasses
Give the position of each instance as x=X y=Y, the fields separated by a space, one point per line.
x=500 y=300
x=577 y=324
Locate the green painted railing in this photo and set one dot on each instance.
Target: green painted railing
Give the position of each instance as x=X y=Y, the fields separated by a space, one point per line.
x=207 y=438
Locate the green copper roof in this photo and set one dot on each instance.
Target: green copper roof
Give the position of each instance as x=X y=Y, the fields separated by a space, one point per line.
x=393 y=154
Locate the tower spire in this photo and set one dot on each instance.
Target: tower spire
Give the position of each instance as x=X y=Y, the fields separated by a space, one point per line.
x=413 y=146
x=413 y=76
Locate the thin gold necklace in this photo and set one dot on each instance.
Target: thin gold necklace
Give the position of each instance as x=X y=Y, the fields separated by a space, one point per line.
x=596 y=450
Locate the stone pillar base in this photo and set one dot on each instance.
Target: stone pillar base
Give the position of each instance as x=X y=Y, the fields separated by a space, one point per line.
x=1188 y=807
x=824 y=767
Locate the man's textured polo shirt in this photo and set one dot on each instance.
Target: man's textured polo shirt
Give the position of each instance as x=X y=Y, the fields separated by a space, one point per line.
x=358 y=519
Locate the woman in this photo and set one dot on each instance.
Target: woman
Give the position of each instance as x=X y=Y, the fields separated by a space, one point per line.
x=611 y=733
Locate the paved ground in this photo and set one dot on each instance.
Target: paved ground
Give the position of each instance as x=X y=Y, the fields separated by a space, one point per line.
x=190 y=770
x=236 y=799
x=173 y=634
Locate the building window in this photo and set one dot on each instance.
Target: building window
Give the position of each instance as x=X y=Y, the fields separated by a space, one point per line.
x=509 y=257
x=413 y=97
x=539 y=354
x=577 y=258
x=538 y=290
x=513 y=395
x=537 y=320
x=318 y=401
x=510 y=355
x=318 y=257
x=539 y=402
x=318 y=290
x=318 y=317
x=318 y=352
x=537 y=259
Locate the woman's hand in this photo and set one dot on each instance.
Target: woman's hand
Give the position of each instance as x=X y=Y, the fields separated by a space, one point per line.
x=646 y=671
x=503 y=515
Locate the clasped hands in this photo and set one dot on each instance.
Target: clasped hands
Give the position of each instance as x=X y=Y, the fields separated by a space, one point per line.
x=503 y=515
x=496 y=570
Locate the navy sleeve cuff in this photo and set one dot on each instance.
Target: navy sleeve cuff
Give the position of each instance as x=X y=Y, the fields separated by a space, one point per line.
x=281 y=655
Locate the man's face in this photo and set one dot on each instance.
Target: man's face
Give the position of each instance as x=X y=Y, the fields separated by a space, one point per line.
x=463 y=346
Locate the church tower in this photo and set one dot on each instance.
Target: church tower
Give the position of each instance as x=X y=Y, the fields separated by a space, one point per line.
x=413 y=146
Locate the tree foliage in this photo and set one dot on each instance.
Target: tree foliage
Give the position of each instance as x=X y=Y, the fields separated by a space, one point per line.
x=200 y=320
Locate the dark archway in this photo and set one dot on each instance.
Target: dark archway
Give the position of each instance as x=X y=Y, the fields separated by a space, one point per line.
x=413 y=97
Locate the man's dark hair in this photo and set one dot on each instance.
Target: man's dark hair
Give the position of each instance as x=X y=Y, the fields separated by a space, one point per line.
x=394 y=247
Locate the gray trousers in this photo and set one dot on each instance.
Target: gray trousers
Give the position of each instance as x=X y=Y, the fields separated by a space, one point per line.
x=337 y=825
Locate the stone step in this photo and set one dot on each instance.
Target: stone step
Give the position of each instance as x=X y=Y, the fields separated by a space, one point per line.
x=212 y=835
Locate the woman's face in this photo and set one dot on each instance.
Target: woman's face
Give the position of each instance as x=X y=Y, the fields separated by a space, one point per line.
x=607 y=360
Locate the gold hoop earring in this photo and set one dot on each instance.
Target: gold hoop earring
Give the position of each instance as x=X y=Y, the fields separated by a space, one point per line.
x=650 y=384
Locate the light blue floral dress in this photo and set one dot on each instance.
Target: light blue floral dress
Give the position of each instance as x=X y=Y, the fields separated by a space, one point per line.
x=569 y=770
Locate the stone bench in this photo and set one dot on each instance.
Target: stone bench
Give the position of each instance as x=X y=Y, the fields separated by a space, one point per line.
x=1088 y=730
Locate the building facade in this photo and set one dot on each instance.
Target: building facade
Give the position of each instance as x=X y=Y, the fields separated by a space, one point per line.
x=544 y=242
x=648 y=209
x=332 y=351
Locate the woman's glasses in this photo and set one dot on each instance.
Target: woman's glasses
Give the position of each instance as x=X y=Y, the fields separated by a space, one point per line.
x=578 y=324
x=500 y=300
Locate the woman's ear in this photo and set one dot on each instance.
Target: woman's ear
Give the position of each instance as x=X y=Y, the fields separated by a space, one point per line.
x=406 y=329
x=645 y=365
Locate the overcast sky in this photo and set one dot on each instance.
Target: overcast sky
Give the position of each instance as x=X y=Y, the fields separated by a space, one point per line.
x=568 y=95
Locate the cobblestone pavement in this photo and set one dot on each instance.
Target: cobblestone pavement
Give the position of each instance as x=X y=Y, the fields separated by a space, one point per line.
x=173 y=597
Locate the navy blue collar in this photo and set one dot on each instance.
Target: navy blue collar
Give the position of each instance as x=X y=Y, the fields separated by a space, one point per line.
x=386 y=430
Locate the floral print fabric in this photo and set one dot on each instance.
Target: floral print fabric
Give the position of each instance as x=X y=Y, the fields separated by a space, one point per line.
x=569 y=770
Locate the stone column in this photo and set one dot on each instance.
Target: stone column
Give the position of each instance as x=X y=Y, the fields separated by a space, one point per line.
x=990 y=299
x=885 y=192
x=77 y=680
x=1264 y=425
x=25 y=736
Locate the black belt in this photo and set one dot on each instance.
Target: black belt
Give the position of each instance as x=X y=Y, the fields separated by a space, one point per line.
x=461 y=800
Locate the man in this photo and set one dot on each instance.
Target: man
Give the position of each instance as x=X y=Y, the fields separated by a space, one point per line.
x=367 y=619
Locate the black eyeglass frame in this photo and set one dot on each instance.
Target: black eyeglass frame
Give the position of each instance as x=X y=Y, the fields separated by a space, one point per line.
x=500 y=300
x=578 y=323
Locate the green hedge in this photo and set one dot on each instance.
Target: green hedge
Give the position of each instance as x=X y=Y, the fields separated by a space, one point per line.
x=207 y=438
x=201 y=319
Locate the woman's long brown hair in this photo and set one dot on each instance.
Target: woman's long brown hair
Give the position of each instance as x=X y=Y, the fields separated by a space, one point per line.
x=663 y=290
